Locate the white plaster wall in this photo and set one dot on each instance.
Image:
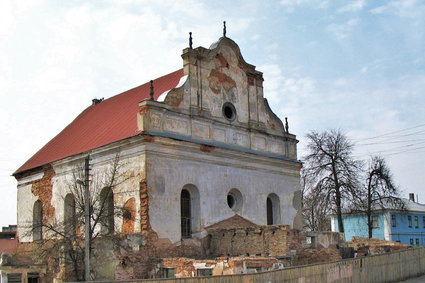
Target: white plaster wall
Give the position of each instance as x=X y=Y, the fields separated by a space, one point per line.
x=132 y=166
x=214 y=181
x=25 y=206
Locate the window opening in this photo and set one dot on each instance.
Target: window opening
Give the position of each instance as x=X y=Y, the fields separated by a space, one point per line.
x=273 y=209
x=204 y=272
x=269 y=212
x=416 y=222
x=393 y=220
x=235 y=200
x=229 y=111
x=14 y=278
x=33 y=278
x=186 y=214
x=69 y=215
x=107 y=210
x=169 y=273
x=375 y=223
x=128 y=215
x=417 y=241
x=37 y=221
x=409 y=221
x=230 y=201
x=411 y=242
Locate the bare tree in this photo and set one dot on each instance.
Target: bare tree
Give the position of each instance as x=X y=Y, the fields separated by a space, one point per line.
x=332 y=169
x=315 y=206
x=66 y=237
x=379 y=192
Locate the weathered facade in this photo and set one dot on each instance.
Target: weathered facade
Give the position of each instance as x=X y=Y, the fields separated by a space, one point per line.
x=196 y=147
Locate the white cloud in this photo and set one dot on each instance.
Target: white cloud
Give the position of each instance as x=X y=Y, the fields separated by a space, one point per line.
x=353 y=6
x=291 y=5
x=413 y=9
x=56 y=58
x=341 y=31
x=324 y=4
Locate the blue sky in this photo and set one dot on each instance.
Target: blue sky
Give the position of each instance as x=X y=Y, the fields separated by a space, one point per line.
x=354 y=65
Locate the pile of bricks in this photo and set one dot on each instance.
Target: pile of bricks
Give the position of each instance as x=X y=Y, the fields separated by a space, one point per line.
x=366 y=246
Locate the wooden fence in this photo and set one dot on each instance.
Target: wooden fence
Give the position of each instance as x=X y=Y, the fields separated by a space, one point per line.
x=385 y=268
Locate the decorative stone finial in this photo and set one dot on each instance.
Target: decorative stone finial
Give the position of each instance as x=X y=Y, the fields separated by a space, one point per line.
x=151 y=92
x=286 y=125
x=190 y=40
x=224 y=29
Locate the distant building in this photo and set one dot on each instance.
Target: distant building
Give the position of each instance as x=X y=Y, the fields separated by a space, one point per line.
x=406 y=227
x=8 y=241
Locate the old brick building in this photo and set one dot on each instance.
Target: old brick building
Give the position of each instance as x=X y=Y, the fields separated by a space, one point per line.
x=197 y=146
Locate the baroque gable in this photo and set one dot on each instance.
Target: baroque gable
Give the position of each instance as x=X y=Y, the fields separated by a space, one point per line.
x=220 y=103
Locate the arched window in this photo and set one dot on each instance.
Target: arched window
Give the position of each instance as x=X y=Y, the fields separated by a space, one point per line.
x=37 y=220
x=189 y=211
x=129 y=215
x=69 y=215
x=273 y=209
x=186 y=214
x=106 y=211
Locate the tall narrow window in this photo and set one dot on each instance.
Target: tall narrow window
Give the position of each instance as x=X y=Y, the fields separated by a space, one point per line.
x=269 y=212
x=416 y=222
x=186 y=214
x=69 y=215
x=273 y=209
x=129 y=215
x=107 y=210
x=375 y=221
x=409 y=221
x=37 y=220
x=393 y=220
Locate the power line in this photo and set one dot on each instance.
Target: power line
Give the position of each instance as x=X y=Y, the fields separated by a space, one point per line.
x=398 y=131
x=387 y=142
x=397 y=138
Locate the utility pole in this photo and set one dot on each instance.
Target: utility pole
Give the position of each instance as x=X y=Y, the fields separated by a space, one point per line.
x=87 y=218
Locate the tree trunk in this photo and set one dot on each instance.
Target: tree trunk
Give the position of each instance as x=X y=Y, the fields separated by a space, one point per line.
x=369 y=206
x=339 y=210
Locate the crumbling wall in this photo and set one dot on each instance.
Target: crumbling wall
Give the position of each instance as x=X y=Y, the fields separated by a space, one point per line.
x=138 y=255
x=187 y=267
x=371 y=246
x=33 y=186
x=276 y=240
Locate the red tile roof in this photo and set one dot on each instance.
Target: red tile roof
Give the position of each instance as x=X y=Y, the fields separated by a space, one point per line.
x=109 y=121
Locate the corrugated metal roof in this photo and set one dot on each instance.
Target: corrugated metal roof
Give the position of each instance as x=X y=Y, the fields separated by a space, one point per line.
x=109 y=121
